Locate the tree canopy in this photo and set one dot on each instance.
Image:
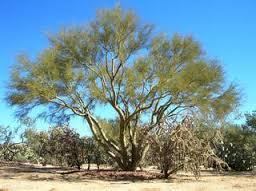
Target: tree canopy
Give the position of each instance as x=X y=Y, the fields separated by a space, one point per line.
x=117 y=61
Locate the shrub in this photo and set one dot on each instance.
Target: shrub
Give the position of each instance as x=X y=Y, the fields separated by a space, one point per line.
x=238 y=148
x=178 y=147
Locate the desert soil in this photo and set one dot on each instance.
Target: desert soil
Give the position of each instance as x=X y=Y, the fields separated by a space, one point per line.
x=34 y=178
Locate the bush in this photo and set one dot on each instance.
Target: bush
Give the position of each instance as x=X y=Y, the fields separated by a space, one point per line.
x=238 y=148
x=62 y=146
x=178 y=147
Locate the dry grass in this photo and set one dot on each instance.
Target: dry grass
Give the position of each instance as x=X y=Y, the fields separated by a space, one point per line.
x=29 y=178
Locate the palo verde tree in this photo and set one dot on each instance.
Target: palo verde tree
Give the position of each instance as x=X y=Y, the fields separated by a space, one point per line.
x=116 y=61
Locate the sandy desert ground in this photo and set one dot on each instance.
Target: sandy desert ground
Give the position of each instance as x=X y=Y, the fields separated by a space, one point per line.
x=31 y=178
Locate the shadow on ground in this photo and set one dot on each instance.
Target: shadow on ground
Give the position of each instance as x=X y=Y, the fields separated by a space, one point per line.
x=38 y=173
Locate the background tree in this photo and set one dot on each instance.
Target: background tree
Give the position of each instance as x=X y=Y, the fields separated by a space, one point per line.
x=238 y=148
x=251 y=120
x=61 y=145
x=235 y=144
x=94 y=153
x=38 y=141
x=66 y=146
x=89 y=146
x=116 y=62
x=100 y=156
x=8 y=148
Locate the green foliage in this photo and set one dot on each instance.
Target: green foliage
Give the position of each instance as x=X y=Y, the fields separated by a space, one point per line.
x=94 y=153
x=37 y=141
x=251 y=120
x=60 y=145
x=8 y=148
x=67 y=66
x=66 y=146
x=235 y=144
x=26 y=154
x=63 y=146
x=238 y=148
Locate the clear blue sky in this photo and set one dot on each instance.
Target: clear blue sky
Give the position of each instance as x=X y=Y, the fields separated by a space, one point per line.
x=225 y=28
